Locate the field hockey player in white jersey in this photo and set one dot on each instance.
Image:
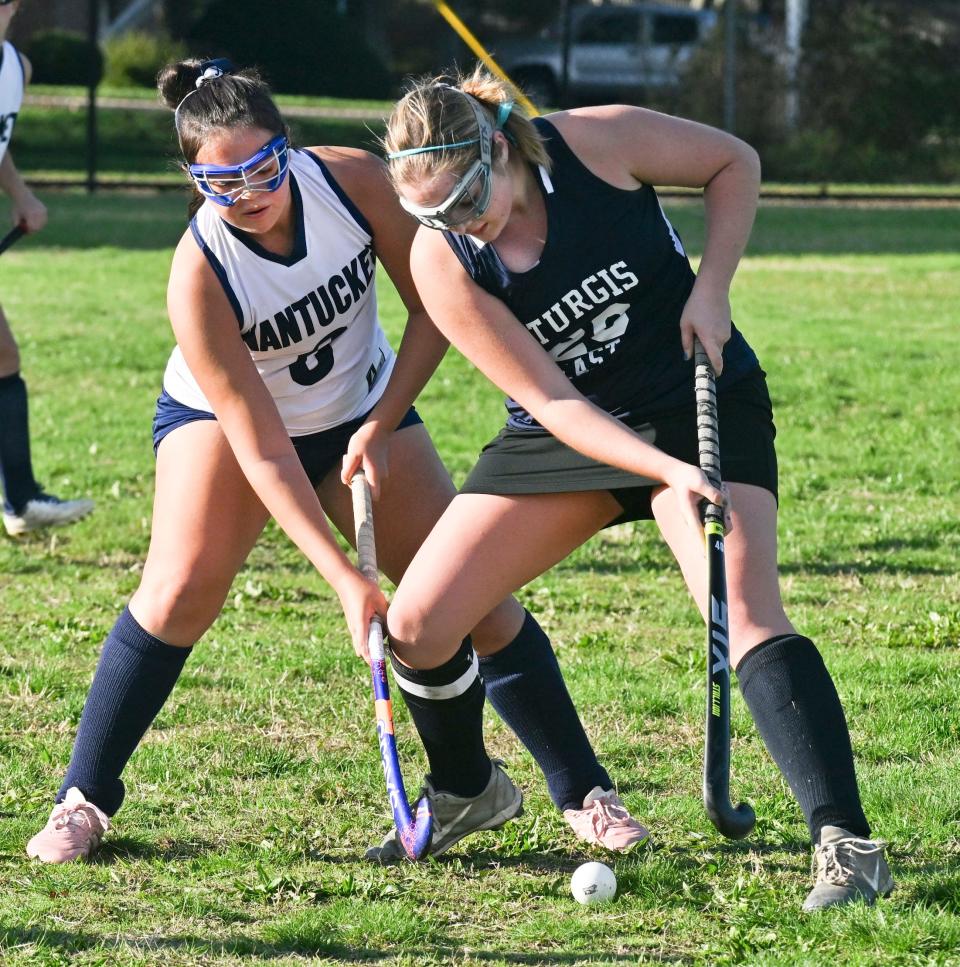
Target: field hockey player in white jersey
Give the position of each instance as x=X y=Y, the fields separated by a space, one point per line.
x=26 y=507
x=545 y=257
x=281 y=373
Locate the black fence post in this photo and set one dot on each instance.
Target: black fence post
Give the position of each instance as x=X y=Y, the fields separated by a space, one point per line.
x=730 y=66
x=565 y=27
x=93 y=30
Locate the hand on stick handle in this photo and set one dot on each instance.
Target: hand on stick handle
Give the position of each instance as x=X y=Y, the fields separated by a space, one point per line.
x=14 y=235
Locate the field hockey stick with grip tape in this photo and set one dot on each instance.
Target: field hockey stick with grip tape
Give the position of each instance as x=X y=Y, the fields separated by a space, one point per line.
x=14 y=235
x=414 y=832
x=732 y=822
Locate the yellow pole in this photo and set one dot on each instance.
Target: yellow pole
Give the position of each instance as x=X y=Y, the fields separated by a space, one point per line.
x=468 y=38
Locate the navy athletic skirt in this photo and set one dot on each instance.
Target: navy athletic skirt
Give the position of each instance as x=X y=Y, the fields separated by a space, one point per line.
x=319 y=452
x=536 y=462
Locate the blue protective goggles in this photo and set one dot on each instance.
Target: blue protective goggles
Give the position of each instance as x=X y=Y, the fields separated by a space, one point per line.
x=264 y=171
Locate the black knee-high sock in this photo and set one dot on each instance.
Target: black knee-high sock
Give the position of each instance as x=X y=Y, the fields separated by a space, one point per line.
x=796 y=707
x=16 y=471
x=446 y=705
x=134 y=678
x=525 y=686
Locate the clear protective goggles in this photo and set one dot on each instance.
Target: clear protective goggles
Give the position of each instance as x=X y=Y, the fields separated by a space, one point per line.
x=470 y=196
x=264 y=171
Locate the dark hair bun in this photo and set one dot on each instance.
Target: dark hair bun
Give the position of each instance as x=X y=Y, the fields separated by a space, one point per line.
x=176 y=81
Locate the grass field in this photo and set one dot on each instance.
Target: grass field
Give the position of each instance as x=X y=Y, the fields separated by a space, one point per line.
x=251 y=801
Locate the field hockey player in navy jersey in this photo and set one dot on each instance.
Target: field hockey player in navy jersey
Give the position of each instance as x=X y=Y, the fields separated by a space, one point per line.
x=281 y=369
x=26 y=507
x=545 y=258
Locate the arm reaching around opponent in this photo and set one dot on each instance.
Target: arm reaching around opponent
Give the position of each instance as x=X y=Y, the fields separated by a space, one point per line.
x=207 y=334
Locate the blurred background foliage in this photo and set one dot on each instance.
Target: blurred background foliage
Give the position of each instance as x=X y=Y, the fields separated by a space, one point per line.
x=875 y=85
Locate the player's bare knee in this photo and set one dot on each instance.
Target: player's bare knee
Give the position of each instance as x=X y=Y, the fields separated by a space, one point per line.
x=406 y=627
x=179 y=608
x=418 y=641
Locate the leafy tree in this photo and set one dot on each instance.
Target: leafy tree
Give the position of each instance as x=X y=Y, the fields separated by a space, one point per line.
x=309 y=49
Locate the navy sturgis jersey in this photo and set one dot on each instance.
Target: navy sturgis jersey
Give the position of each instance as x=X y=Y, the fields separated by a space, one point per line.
x=606 y=297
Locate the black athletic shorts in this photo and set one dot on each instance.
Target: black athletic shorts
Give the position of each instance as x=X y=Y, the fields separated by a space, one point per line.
x=318 y=452
x=535 y=462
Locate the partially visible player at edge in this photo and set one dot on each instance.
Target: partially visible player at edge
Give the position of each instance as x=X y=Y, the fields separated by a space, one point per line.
x=557 y=274
x=280 y=369
x=25 y=506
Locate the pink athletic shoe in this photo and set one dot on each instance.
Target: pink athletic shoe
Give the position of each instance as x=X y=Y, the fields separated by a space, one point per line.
x=604 y=821
x=73 y=831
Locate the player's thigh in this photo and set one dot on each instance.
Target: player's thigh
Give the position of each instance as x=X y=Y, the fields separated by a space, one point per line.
x=750 y=552
x=412 y=498
x=9 y=354
x=484 y=548
x=206 y=518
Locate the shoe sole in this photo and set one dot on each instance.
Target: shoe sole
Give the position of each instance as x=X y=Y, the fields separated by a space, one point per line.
x=375 y=853
x=20 y=527
x=79 y=858
x=881 y=894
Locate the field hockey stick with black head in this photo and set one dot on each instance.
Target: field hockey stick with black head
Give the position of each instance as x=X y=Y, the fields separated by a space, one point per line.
x=732 y=822
x=414 y=832
x=14 y=235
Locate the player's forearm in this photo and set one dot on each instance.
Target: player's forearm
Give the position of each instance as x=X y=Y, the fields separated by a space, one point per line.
x=594 y=433
x=11 y=181
x=730 y=202
x=285 y=491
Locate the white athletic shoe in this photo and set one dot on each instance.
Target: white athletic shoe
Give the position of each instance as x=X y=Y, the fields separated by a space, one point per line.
x=45 y=510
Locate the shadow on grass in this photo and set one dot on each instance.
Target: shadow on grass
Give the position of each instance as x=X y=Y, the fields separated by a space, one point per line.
x=816 y=229
x=74 y=943
x=872 y=566
x=940 y=893
x=132 y=221
x=125 y=848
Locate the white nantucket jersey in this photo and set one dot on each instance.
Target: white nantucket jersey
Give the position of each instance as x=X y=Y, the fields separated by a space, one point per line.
x=11 y=92
x=309 y=319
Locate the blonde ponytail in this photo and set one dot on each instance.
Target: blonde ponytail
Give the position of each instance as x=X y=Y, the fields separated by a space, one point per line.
x=434 y=113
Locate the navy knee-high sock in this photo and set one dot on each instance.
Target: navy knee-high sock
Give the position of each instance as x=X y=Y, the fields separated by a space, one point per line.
x=797 y=710
x=525 y=686
x=446 y=705
x=134 y=678
x=16 y=471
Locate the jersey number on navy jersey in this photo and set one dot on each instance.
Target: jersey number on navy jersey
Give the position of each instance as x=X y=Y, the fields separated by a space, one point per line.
x=608 y=326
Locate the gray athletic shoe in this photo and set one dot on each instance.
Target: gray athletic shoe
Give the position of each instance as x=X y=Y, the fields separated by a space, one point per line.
x=457 y=816
x=848 y=868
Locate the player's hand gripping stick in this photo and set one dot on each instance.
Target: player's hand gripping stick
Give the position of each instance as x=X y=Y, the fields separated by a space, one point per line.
x=14 y=235
x=414 y=832
x=732 y=822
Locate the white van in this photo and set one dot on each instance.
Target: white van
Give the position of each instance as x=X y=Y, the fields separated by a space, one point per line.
x=617 y=52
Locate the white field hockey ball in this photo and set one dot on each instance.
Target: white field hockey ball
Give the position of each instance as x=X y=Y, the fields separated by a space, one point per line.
x=593 y=883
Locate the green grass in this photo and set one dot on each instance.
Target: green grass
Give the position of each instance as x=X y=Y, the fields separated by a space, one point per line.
x=251 y=800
